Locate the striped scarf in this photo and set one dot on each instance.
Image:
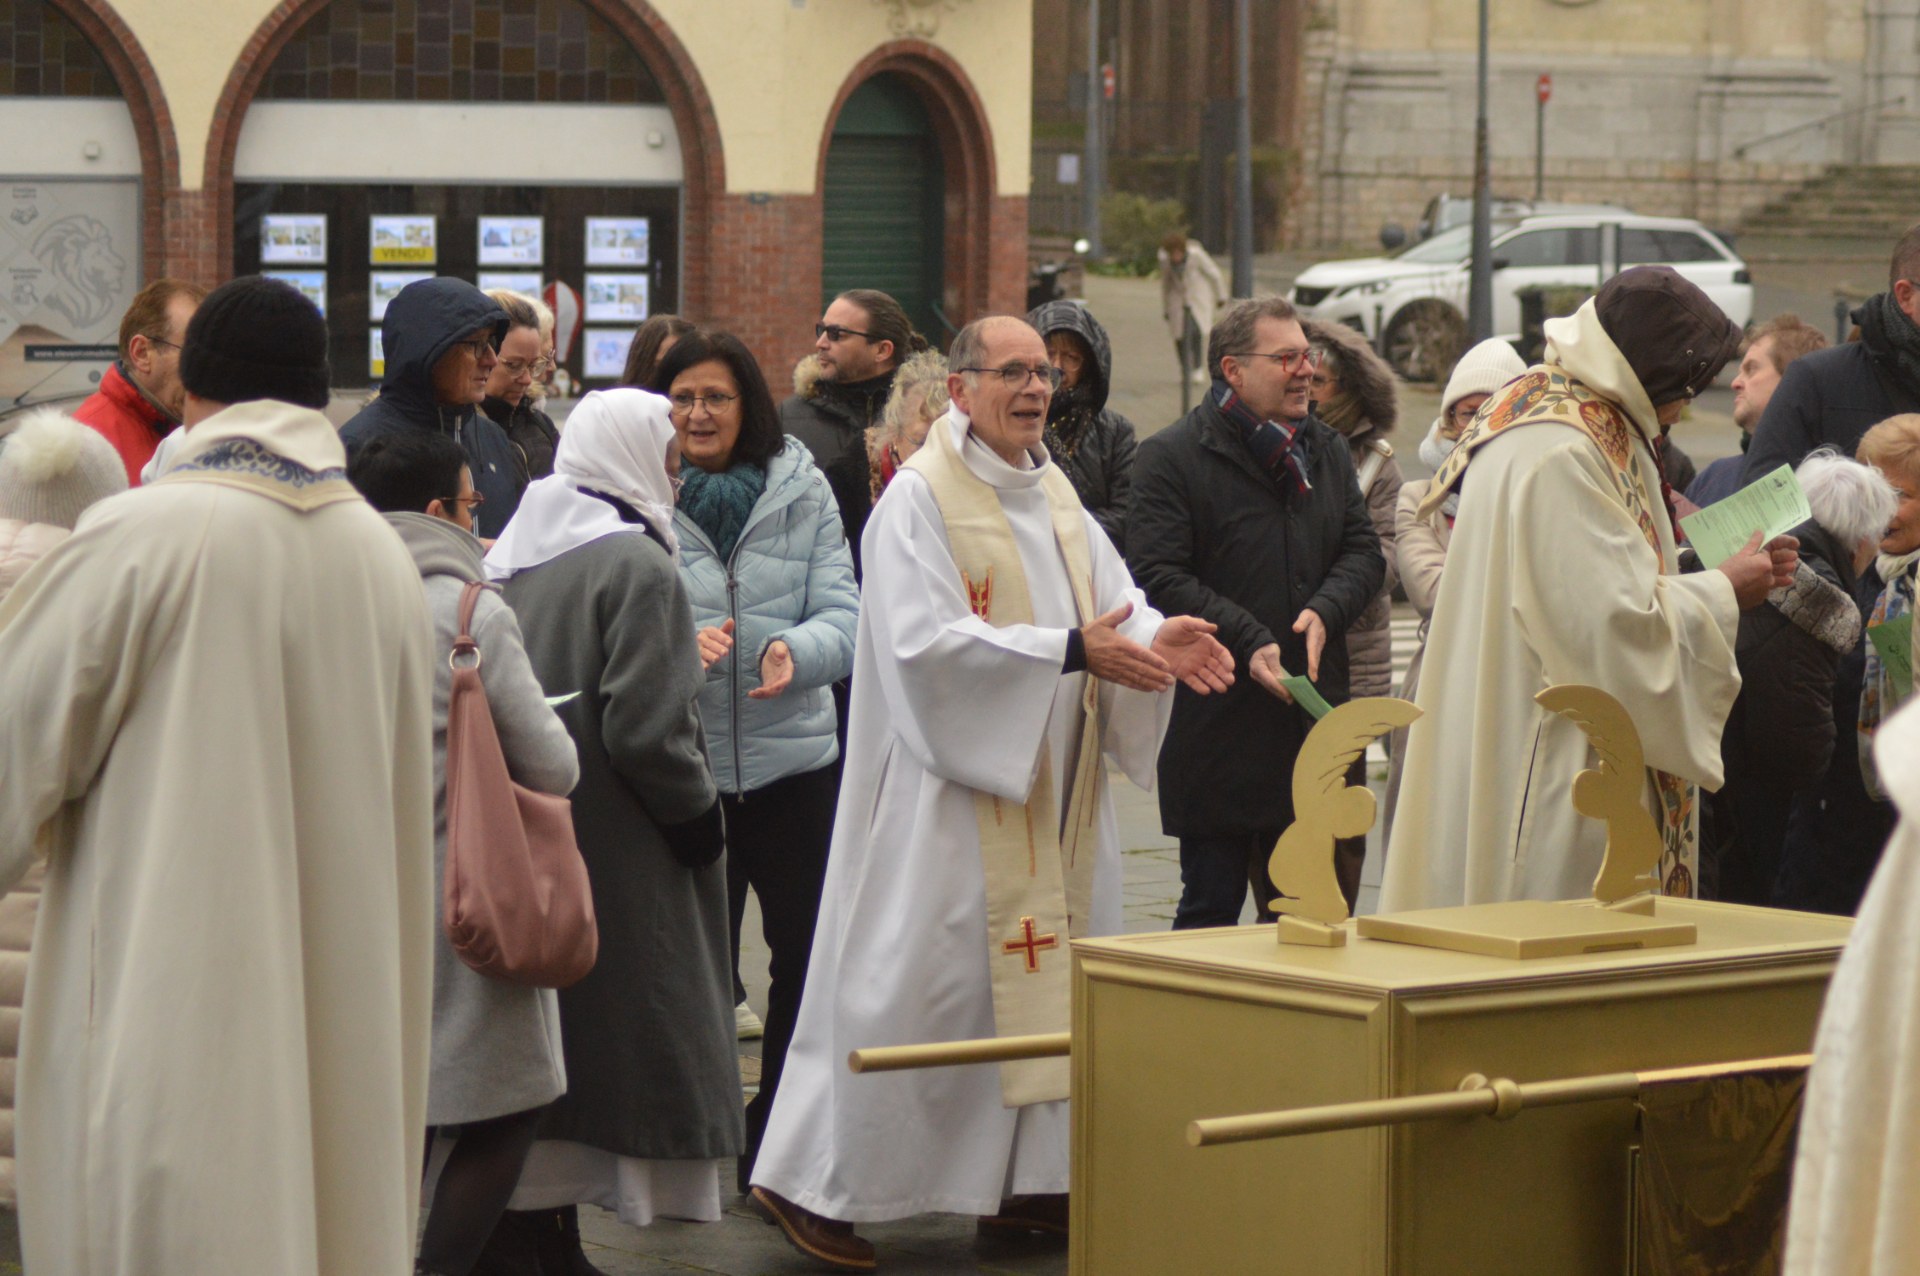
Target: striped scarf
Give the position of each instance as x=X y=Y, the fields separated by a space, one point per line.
x=1276 y=445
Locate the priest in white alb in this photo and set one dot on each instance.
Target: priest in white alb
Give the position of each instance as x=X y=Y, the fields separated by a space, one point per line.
x=1562 y=569
x=1856 y=1174
x=1004 y=657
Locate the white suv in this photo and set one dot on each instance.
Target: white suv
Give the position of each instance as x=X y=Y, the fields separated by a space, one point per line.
x=1413 y=305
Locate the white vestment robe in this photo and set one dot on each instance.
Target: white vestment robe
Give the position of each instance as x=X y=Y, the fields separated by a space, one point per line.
x=1550 y=580
x=1856 y=1176
x=216 y=724
x=943 y=704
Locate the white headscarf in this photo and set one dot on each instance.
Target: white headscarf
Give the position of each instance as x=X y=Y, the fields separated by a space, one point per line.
x=615 y=441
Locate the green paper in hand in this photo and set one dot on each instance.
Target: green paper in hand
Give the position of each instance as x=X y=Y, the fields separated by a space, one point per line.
x=1771 y=505
x=1305 y=695
x=1893 y=639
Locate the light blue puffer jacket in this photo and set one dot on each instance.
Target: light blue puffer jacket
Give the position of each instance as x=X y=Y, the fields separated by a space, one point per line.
x=791 y=578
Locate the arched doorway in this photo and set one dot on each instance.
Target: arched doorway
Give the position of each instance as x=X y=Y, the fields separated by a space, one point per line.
x=624 y=41
x=884 y=200
x=511 y=143
x=81 y=166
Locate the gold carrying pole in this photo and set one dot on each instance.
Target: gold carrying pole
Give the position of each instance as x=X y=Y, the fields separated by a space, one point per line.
x=949 y=1054
x=1500 y=1098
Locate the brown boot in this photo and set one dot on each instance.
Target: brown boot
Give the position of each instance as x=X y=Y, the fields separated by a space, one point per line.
x=825 y=1240
x=1045 y=1214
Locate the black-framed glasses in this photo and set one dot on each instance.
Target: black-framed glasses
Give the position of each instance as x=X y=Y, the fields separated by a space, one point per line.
x=479 y=347
x=684 y=404
x=1290 y=361
x=1016 y=375
x=834 y=332
x=161 y=341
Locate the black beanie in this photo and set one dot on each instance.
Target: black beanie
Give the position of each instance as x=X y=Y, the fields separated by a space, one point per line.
x=1672 y=334
x=256 y=338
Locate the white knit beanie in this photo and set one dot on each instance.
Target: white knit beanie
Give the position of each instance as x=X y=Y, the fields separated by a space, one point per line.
x=52 y=468
x=1482 y=370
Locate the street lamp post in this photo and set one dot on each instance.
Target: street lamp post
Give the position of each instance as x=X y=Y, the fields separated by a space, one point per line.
x=1090 y=164
x=1243 y=148
x=1480 y=284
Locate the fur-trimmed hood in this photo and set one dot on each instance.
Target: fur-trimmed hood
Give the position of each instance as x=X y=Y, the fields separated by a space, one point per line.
x=1365 y=375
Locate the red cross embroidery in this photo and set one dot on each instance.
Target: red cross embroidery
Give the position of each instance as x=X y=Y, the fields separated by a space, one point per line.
x=1029 y=944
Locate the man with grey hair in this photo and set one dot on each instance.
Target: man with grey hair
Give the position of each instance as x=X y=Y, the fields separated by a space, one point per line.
x=1782 y=731
x=1004 y=656
x=1248 y=512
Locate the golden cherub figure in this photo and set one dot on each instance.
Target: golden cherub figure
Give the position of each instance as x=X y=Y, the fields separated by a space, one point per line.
x=1614 y=792
x=1326 y=808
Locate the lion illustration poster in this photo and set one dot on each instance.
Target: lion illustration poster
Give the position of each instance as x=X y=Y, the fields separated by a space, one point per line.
x=69 y=267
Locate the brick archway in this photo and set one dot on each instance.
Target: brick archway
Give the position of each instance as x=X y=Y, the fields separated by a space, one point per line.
x=211 y=208
x=986 y=236
x=152 y=123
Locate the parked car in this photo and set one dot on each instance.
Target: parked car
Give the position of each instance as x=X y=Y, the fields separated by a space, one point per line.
x=1412 y=305
x=1445 y=211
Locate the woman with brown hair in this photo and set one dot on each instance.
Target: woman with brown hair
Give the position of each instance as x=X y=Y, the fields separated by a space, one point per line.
x=650 y=345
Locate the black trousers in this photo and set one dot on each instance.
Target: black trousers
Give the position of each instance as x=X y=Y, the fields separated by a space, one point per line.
x=777 y=839
x=1217 y=870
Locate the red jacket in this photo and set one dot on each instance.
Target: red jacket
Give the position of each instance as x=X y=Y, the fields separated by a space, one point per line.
x=132 y=422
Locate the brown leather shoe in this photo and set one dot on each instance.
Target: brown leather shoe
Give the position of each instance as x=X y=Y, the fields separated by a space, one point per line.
x=825 y=1240
x=1045 y=1214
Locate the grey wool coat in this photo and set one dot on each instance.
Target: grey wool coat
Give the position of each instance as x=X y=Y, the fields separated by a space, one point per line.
x=649 y=1036
x=496 y=1046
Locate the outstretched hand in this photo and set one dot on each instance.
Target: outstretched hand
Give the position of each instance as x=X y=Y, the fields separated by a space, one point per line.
x=714 y=643
x=1114 y=657
x=1267 y=671
x=776 y=671
x=1193 y=654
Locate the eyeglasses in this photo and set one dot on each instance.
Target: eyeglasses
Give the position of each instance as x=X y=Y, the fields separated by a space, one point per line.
x=684 y=404
x=156 y=341
x=479 y=347
x=1016 y=375
x=1290 y=361
x=535 y=368
x=472 y=502
x=834 y=332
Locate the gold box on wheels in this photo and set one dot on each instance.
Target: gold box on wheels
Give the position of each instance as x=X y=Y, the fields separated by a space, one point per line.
x=1175 y=1027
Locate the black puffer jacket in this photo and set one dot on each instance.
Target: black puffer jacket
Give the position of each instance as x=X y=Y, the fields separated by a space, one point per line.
x=421 y=325
x=1092 y=444
x=1826 y=399
x=1779 y=737
x=1836 y=829
x=832 y=420
x=1211 y=534
x=530 y=430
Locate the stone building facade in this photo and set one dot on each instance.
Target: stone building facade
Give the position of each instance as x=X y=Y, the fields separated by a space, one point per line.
x=1703 y=108
x=718 y=122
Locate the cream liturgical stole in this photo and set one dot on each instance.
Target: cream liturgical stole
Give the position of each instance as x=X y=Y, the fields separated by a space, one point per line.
x=1039 y=874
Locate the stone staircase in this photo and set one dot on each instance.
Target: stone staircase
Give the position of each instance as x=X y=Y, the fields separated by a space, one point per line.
x=1864 y=205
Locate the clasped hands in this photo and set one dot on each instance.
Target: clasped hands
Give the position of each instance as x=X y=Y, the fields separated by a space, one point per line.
x=1183 y=647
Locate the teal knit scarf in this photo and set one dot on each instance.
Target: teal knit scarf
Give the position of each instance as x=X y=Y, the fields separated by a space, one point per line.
x=719 y=504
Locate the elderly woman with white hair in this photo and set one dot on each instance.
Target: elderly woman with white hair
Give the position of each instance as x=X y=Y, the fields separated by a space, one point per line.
x=1781 y=734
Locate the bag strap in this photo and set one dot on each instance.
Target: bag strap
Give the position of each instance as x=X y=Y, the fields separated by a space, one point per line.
x=464 y=644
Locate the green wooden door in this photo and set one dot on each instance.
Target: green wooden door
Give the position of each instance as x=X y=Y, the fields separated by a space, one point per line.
x=885 y=203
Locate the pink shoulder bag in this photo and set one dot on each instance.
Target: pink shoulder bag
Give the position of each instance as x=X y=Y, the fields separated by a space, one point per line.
x=517 y=905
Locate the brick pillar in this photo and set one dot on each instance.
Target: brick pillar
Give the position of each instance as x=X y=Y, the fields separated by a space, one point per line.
x=763 y=277
x=189 y=238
